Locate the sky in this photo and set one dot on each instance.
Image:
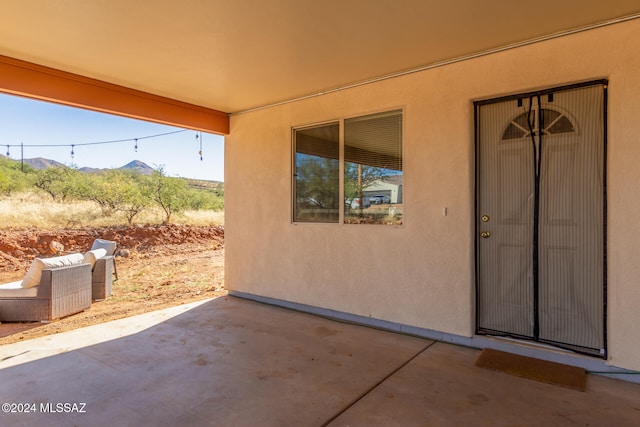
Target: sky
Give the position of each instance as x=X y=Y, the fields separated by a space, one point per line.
x=31 y=123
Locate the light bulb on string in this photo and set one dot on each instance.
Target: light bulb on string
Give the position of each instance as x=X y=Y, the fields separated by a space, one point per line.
x=8 y=154
x=72 y=153
x=135 y=148
x=199 y=139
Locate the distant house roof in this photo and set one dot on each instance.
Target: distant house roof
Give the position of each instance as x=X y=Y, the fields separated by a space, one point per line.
x=394 y=179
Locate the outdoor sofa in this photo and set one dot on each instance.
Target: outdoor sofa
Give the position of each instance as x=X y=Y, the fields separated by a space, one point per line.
x=60 y=286
x=52 y=288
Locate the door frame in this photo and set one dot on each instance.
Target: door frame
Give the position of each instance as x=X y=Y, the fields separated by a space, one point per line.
x=543 y=92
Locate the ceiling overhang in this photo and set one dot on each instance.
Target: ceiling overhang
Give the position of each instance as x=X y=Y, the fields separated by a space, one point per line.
x=47 y=84
x=200 y=58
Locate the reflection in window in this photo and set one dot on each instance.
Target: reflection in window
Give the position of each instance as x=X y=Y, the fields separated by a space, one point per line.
x=317 y=174
x=373 y=169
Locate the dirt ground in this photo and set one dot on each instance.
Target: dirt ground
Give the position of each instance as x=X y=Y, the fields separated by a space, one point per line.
x=158 y=266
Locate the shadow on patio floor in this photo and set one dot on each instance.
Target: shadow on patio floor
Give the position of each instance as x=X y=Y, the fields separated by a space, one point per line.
x=233 y=362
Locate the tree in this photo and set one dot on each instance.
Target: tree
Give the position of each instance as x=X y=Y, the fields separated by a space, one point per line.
x=12 y=176
x=115 y=191
x=169 y=193
x=59 y=182
x=134 y=202
x=317 y=182
x=101 y=189
x=198 y=199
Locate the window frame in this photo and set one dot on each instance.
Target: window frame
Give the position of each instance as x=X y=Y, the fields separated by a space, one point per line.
x=341 y=159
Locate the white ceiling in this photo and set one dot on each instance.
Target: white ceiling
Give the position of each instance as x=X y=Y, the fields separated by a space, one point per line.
x=234 y=55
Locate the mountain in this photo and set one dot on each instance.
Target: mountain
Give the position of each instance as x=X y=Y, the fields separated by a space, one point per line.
x=42 y=163
x=89 y=170
x=136 y=165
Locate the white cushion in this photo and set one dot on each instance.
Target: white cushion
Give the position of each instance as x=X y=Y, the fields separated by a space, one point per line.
x=11 y=285
x=15 y=289
x=92 y=256
x=63 y=261
x=32 y=278
x=105 y=244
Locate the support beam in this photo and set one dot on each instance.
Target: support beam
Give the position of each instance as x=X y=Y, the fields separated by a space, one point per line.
x=48 y=84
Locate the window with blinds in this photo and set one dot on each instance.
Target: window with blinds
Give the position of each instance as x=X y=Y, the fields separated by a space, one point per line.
x=373 y=169
x=317 y=174
x=369 y=158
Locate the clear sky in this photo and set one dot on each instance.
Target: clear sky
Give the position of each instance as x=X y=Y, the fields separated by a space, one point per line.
x=36 y=123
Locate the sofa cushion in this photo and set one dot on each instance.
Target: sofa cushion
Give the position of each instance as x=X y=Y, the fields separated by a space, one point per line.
x=109 y=245
x=15 y=290
x=92 y=256
x=32 y=278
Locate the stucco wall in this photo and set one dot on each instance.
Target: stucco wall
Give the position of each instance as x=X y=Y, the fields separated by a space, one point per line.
x=422 y=273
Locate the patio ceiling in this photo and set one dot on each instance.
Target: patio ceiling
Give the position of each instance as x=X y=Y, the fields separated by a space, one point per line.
x=234 y=56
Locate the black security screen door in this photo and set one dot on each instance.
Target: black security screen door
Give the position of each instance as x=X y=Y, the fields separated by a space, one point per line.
x=540 y=209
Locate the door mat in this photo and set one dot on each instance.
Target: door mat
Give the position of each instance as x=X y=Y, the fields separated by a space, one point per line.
x=535 y=369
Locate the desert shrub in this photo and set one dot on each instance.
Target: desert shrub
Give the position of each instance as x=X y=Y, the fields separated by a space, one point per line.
x=106 y=197
x=114 y=191
x=60 y=182
x=198 y=199
x=170 y=194
x=14 y=177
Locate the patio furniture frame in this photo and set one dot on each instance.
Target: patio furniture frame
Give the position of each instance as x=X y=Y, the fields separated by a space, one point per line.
x=62 y=291
x=102 y=277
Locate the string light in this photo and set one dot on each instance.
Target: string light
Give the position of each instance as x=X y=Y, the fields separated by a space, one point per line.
x=135 y=140
x=199 y=139
x=100 y=142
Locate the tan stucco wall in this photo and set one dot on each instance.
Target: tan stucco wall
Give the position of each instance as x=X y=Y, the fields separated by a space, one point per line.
x=422 y=273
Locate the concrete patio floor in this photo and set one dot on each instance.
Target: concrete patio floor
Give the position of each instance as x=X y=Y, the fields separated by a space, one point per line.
x=234 y=362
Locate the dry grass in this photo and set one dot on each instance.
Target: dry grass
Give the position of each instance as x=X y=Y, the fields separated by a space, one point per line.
x=30 y=209
x=201 y=218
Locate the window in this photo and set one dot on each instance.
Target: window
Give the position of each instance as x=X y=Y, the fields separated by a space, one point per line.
x=367 y=153
x=317 y=174
x=526 y=123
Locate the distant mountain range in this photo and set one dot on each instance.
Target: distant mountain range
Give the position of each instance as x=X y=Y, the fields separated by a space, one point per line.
x=42 y=163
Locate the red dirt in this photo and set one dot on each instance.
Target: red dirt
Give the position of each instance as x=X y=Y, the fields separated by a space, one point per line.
x=158 y=266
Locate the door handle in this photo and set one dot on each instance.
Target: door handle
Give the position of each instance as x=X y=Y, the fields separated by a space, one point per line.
x=485 y=234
